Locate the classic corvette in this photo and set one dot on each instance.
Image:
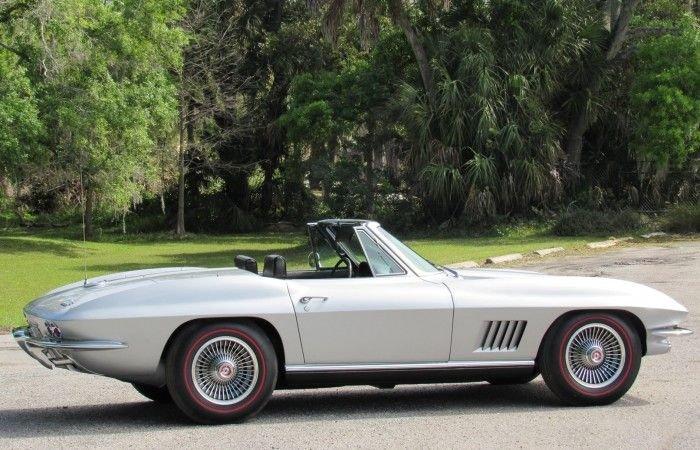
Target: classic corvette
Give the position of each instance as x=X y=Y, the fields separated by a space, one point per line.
x=217 y=342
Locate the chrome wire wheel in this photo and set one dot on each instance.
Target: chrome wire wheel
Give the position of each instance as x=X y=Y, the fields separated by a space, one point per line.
x=595 y=355
x=225 y=370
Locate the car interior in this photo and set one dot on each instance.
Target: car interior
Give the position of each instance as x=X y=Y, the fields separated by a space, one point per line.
x=336 y=252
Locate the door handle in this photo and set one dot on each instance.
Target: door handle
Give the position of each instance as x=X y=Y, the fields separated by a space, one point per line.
x=305 y=300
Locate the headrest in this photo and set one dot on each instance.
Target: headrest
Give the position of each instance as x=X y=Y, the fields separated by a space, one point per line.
x=275 y=266
x=246 y=263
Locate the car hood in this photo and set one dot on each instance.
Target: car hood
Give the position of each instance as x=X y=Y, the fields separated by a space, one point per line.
x=73 y=295
x=497 y=273
x=514 y=288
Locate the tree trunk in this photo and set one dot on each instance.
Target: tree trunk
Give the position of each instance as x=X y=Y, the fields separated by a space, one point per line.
x=272 y=141
x=619 y=31
x=182 y=168
x=88 y=213
x=269 y=168
x=578 y=125
x=415 y=39
x=574 y=141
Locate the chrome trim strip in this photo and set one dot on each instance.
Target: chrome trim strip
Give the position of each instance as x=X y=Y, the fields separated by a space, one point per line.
x=404 y=366
x=24 y=338
x=671 y=331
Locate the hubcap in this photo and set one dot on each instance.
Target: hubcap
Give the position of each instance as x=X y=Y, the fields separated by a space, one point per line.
x=595 y=355
x=225 y=370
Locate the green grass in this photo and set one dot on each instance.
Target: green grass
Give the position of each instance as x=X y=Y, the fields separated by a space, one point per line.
x=33 y=263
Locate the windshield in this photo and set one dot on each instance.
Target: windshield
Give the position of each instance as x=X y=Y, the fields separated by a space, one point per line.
x=417 y=260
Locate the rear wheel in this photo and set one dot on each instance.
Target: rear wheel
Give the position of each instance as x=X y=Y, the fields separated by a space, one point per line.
x=591 y=359
x=222 y=372
x=157 y=394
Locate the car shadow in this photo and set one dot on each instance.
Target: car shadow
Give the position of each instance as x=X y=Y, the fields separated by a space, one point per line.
x=298 y=406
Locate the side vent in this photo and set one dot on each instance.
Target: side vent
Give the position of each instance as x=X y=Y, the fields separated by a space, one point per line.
x=502 y=335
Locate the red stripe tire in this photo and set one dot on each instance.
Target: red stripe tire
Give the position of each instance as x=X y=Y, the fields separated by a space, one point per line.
x=221 y=372
x=590 y=358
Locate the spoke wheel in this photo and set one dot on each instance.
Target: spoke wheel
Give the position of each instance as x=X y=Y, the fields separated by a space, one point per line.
x=595 y=355
x=225 y=370
x=590 y=358
x=221 y=372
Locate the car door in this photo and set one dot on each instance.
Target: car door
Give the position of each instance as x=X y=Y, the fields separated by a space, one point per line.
x=392 y=317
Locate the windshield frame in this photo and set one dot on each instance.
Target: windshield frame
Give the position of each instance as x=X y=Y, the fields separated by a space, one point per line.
x=379 y=233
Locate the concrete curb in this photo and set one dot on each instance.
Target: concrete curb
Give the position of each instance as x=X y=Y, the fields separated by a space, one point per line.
x=504 y=258
x=548 y=251
x=464 y=265
x=652 y=235
x=603 y=244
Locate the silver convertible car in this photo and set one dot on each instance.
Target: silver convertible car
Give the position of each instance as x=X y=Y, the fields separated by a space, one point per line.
x=217 y=342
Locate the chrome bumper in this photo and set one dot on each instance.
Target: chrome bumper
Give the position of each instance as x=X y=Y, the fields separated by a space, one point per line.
x=52 y=353
x=657 y=339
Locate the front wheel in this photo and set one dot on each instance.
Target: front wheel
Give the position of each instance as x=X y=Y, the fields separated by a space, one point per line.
x=221 y=372
x=591 y=359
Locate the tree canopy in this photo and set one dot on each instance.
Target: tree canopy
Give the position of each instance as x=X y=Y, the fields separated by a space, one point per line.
x=225 y=115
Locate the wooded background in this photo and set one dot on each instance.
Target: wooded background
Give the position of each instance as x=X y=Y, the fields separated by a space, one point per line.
x=226 y=115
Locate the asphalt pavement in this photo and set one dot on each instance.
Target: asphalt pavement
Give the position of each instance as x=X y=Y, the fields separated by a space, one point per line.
x=49 y=409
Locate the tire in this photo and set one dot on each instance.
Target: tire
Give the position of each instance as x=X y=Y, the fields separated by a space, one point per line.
x=155 y=393
x=596 y=372
x=516 y=379
x=236 y=356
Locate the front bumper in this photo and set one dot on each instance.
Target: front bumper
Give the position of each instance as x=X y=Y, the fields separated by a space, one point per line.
x=57 y=353
x=657 y=339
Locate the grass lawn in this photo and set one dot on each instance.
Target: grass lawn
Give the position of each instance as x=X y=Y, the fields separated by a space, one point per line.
x=33 y=263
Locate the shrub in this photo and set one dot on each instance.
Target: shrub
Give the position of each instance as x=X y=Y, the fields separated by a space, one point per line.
x=683 y=219
x=582 y=221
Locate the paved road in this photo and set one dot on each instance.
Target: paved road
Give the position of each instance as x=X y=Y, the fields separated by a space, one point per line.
x=41 y=408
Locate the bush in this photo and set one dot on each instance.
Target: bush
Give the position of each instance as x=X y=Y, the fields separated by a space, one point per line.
x=683 y=219
x=582 y=221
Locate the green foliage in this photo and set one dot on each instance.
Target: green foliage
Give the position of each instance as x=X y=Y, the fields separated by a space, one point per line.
x=279 y=123
x=493 y=145
x=586 y=222
x=20 y=127
x=683 y=218
x=100 y=86
x=666 y=94
x=344 y=189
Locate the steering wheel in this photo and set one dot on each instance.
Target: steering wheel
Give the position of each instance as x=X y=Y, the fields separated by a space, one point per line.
x=347 y=262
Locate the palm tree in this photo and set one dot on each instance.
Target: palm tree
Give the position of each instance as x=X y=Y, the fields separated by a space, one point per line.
x=618 y=15
x=367 y=12
x=493 y=143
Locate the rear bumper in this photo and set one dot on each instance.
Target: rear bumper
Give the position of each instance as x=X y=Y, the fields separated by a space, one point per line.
x=57 y=353
x=657 y=339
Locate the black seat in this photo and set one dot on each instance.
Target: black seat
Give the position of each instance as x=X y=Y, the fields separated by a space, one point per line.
x=246 y=263
x=363 y=269
x=275 y=266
